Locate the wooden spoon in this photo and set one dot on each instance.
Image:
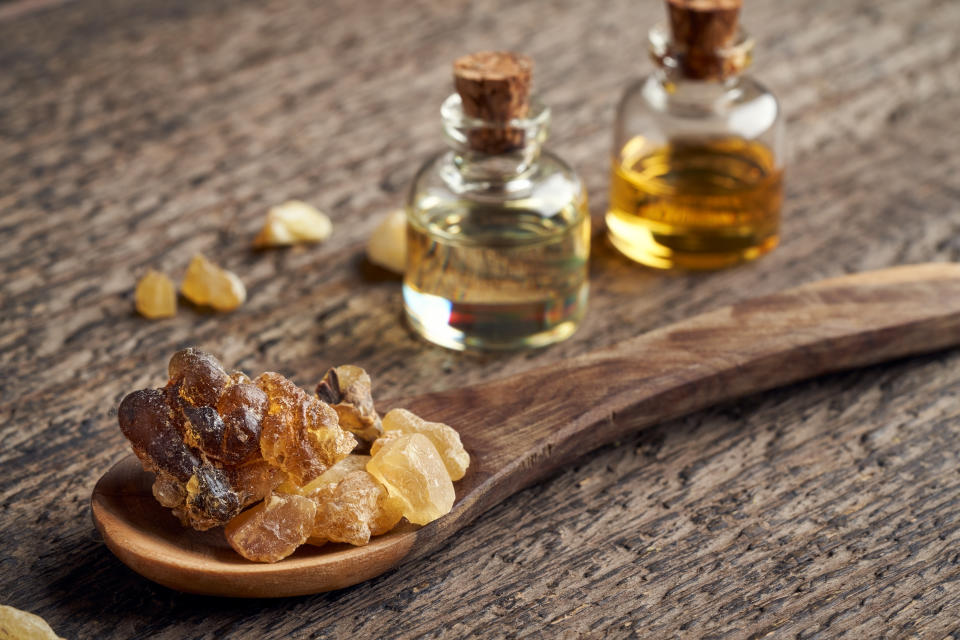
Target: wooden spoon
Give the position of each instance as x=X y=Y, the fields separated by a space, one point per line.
x=521 y=429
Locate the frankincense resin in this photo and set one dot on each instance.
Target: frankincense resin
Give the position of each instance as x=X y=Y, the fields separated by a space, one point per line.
x=413 y=472
x=207 y=284
x=273 y=529
x=155 y=296
x=399 y=422
x=279 y=467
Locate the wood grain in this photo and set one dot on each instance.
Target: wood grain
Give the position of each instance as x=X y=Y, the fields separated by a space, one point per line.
x=133 y=134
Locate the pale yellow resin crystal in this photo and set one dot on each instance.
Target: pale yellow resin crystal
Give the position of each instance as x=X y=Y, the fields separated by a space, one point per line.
x=155 y=296
x=387 y=246
x=447 y=441
x=413 y=472
x=22 y=625
x=209 y=285
x=293 y=222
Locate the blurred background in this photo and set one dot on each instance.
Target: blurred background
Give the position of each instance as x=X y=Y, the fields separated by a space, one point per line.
x=134 y=134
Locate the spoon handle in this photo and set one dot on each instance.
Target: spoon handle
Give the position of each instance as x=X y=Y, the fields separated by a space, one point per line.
x=523 y=428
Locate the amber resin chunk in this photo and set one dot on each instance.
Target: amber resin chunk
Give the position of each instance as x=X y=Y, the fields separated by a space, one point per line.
x=413 y=472
x=293 y=222
x=147 y=421
x=347 y=389
x=346 y=515
x=353 y=509
x=209 y=285
x=300 y=434
x=273 y=529
x=200 y=434
x=447 y=441
x=155 y=296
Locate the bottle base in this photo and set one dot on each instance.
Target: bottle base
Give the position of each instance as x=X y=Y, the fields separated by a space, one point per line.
x=494 y=326
x=707 y=252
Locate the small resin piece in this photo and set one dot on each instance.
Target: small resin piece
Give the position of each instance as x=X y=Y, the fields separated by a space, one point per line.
x=209 y=285
x=291 y=223
x=413 y=472
x=300 y=434
x=347 y=389
x=155 y=296
x=353 y=509
x=273 y=529
x=23 y=625
x=447 y=441
x=387 y=246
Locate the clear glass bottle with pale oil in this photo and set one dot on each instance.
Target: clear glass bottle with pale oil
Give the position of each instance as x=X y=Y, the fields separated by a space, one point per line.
x=498 y=237
x=697 y=169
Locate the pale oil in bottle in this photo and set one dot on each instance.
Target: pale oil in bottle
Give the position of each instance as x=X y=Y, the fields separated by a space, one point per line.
x=498 y=228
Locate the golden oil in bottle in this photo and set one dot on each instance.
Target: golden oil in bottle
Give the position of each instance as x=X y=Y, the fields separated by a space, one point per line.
x=698 y=204
x=697 y=176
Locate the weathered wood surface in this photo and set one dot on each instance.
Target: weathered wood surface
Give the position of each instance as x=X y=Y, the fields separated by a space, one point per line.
x=134 y=134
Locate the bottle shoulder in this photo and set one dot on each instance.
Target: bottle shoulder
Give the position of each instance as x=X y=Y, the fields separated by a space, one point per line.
x=548 y=187
x=744 y=107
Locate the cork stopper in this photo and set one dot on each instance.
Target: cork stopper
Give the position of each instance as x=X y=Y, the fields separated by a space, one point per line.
x=701 y=30
x=494 y=86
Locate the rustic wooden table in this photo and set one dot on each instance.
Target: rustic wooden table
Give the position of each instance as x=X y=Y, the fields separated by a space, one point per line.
x=135 y=134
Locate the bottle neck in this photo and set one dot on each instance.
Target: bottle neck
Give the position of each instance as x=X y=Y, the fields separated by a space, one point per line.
x=678 y=63
x=490 y=156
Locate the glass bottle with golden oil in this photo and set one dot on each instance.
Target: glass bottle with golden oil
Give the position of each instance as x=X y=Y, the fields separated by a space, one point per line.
x=498 y=230
x=697 y=165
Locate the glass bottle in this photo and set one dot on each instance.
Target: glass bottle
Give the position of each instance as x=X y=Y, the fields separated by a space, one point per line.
x=497 y=239
x=698 y=150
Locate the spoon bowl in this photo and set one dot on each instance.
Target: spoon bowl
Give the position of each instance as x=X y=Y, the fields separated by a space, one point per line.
x=150 y=540
x=521 y=429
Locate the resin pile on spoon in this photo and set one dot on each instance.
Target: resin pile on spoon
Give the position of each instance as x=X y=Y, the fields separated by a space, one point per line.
x=278 y=467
